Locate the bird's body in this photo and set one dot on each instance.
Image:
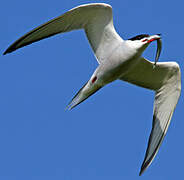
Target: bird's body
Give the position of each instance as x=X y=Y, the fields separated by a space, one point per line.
x=118 y=59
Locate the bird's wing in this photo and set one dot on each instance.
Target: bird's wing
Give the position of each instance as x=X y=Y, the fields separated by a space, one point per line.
x=165 y=80
x=96 y=19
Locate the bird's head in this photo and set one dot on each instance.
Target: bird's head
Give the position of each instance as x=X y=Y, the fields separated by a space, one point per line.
x=141 y=42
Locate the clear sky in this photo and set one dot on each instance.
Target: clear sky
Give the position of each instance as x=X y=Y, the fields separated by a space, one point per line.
x=104 y=138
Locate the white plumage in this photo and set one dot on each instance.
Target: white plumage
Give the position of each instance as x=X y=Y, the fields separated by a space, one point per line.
x=118 y=59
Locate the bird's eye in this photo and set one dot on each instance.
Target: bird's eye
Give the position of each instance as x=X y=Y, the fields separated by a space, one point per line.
x=139 y=37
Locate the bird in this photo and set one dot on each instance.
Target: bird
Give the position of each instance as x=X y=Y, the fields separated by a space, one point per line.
x=118 y=59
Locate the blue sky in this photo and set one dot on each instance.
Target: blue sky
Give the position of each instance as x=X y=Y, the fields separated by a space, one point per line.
x=105 y=137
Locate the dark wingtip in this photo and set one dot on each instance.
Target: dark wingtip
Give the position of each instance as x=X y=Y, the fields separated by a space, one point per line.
x=6 y=52
x=146 y=164
x=9 y=50
x=141 y=171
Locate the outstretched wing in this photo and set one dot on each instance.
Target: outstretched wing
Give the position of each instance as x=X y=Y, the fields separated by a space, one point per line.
x=96 y=19
x=165 y=80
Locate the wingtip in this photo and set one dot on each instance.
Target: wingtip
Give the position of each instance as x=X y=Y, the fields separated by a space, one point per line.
x=5 y=52
x=9 y=50
x=145 y=165
x=142 y=170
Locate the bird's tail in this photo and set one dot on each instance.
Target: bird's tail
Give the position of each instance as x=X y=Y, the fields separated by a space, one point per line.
x=86 y=91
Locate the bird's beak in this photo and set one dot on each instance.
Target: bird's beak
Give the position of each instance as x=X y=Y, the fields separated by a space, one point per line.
x=157 y=38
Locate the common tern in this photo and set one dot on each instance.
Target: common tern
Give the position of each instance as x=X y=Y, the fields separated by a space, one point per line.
x=118 y=59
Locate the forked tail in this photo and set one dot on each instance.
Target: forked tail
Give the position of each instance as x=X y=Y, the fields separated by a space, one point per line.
x=86 y=91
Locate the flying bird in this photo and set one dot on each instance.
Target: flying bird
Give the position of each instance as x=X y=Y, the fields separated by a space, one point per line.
x=118 y=60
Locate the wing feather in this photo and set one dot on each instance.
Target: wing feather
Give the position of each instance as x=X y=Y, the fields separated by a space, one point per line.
x=165 y=80
x=96 y=19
